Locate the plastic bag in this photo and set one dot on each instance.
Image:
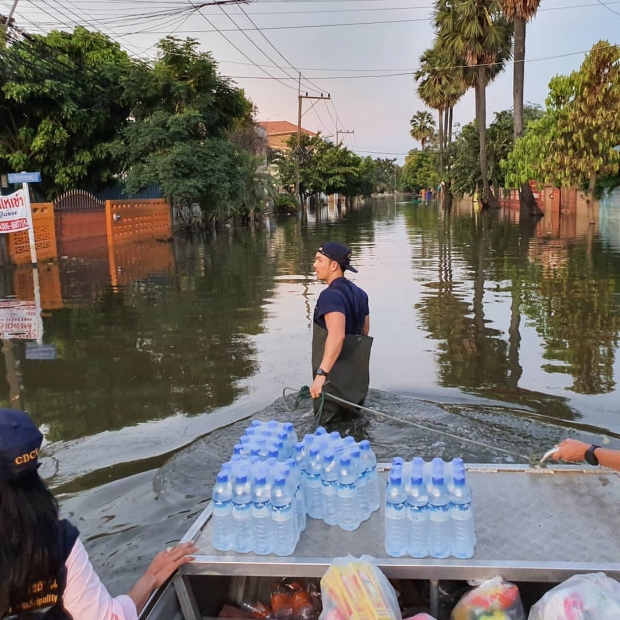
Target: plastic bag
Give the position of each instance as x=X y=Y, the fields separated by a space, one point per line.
x=355 y=589
x=582 y=597
x=494 y=598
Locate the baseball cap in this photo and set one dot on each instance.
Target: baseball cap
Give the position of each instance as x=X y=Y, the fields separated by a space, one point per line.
x=20 y=441
x=338 y=252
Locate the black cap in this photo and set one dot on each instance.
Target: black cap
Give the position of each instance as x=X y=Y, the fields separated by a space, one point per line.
x=338 y=252
x=20 y=441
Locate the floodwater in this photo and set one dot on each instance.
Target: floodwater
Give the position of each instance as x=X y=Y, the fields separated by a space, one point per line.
x=499 y=331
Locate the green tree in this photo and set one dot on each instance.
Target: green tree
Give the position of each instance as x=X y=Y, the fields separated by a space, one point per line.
x=62 y=105
x=465 y=173
x=574 y=140
x=420 y=171
x=521 y=12
x=257 y=184
x=422 y=127
x=326 y=168
x=478 y=32
x=184 y=112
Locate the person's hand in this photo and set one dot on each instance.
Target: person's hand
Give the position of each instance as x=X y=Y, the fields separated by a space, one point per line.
x=317 y=386
x=571 y=450
x=166 y=562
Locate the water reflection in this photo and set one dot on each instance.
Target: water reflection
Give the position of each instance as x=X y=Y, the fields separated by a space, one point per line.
x=558 y=278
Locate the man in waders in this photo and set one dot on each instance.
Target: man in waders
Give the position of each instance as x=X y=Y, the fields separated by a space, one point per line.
x=340 y=342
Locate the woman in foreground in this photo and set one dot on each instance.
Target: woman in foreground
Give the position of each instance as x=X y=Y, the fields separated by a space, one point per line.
x=44 y=568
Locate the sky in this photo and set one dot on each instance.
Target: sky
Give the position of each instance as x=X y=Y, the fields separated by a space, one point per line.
x=287 y=36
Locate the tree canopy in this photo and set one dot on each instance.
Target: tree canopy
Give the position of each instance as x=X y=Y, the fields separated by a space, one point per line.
x=62 y=102
x=573 y=142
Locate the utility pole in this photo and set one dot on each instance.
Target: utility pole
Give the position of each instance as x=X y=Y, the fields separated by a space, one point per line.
x=300 y=101
x=4 y=31
x=341 y=131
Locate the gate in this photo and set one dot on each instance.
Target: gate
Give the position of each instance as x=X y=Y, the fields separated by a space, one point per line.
x=80 y=223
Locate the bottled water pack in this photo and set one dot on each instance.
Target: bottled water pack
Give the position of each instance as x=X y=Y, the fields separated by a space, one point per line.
x=428 y=510
x=339 y=477
x=272 y=482
x=258 y=497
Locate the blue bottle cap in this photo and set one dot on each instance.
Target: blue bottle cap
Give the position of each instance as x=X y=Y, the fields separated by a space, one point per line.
x=364 y=444
x=320 y=431
x=222 y=477
x=345 y=460
x=280 y=481
x=241 y=478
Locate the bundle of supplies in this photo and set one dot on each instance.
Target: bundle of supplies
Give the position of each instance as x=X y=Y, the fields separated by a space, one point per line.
x=355 y=589
x=582 y=597
x=494 y=598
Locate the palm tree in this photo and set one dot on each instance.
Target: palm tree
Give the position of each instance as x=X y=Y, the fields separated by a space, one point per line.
x=520 y=12
x=478 y=32
x=440 y=86
x=422 y=127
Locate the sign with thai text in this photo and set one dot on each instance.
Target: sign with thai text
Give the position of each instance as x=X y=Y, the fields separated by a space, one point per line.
x=24 y=177
x=13 y=216
x=19 y=319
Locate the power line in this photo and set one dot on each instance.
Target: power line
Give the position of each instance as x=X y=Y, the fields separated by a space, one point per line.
x=608 y=7
x=275 y=48
x=240 y=51
x=410 y=73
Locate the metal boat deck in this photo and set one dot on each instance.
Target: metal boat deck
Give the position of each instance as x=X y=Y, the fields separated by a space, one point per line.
x=531 y=525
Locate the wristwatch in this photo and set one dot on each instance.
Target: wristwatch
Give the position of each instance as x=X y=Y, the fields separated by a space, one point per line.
x=590 y=456
x=321 y=373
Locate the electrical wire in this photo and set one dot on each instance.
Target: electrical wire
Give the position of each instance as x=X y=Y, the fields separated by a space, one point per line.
x=608 y=7
x=278 y=51
x=240 y=51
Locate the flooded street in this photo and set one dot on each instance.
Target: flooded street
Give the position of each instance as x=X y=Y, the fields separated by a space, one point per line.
x=507 y=331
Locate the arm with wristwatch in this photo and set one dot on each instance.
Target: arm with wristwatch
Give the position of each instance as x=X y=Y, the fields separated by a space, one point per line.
x=574 y=451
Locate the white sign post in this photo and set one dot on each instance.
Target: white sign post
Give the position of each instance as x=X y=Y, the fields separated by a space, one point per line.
x=14 y=209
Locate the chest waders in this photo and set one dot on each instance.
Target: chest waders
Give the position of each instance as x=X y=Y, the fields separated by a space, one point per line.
x=350 y=376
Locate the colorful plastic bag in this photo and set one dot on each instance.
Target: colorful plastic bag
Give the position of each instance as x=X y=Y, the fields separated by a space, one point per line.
x=494 y=599
x=355 y=589
x=582 y=597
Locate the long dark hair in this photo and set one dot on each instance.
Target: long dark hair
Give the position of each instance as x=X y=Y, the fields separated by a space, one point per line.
x=29 y=537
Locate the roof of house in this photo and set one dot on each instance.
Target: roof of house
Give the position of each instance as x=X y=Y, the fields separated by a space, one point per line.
x=274 y=128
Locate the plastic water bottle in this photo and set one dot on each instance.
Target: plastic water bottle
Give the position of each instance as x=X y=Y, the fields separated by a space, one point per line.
x=329 y=480
x=396 y=526
x=362 y=486
x=223 y=533
x=242 y=514
x=261 y=515
x=298 y=492
x=314 y=486
x=369 y=460
x=283 y=515
x=440 y=539
x=290 y=429
x=462 y=516
x=348 y=501
x=417 y=511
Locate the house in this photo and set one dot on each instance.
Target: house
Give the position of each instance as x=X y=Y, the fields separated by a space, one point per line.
x=278 y=133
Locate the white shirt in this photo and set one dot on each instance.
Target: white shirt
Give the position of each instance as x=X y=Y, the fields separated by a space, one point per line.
x=86 y=598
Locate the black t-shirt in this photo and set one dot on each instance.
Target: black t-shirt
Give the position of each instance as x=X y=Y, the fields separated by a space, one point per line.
x=44 y=599
x=347 y=298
